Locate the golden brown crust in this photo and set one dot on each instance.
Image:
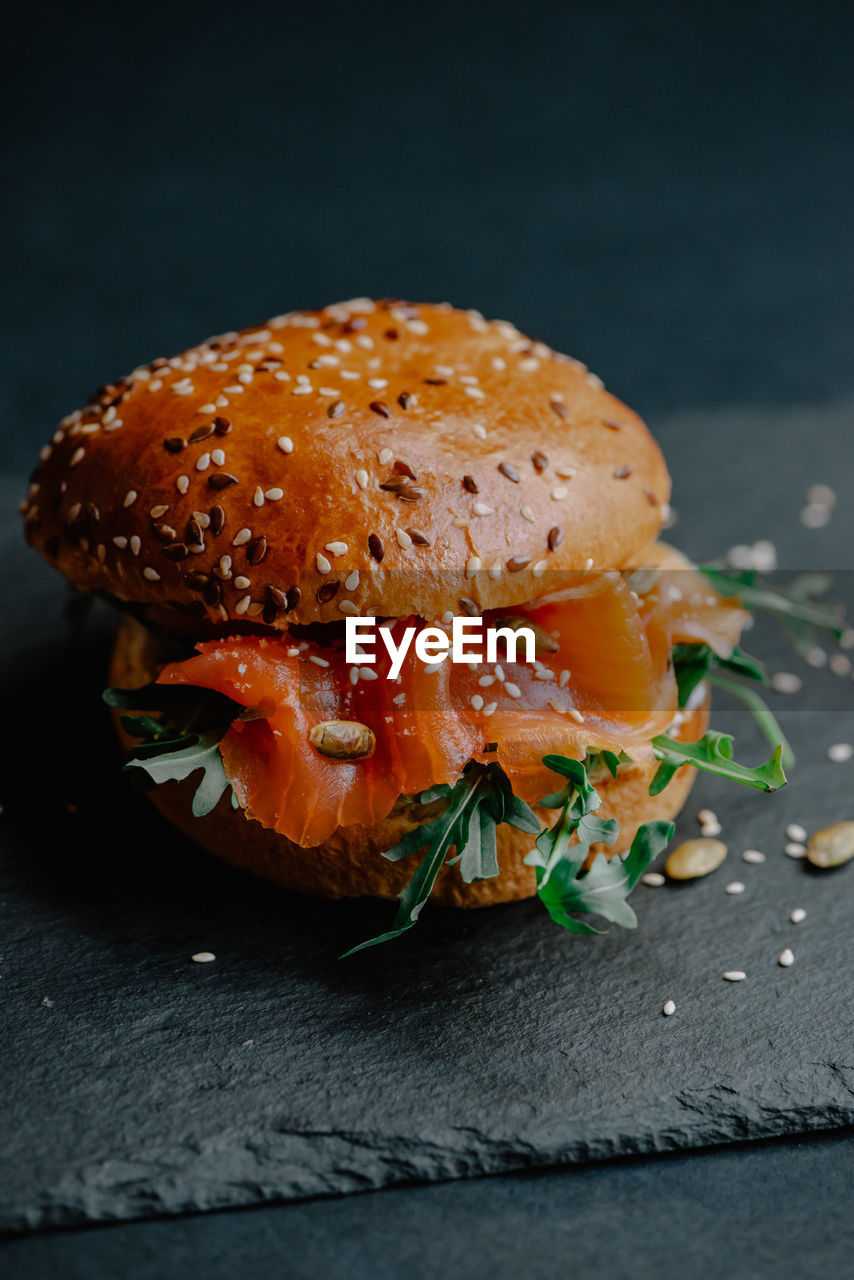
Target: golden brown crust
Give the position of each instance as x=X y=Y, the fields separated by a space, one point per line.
x=507 y=441
x=350 y=864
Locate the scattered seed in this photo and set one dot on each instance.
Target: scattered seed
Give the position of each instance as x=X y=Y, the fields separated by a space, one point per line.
x=286 y=444
x=470 y=484
x=256 y=550
x=840 y=752
x=654 y=879
x=669 y=1008
x=796 y=832
x=753 y=856
x=695 y=858
x=203 y=957
x=336 y=409
x=832 y=846
x=375 y=546
x=735 y=975
x=798 y=915
x=735 y=886
x=786 y=958
x=794 y=849
x=222 y=480
x=380 y=407
x=555 y=538
x=540 y=461
x=328 y=591
x=623 y=472
x=509 y=472
x=323 y=565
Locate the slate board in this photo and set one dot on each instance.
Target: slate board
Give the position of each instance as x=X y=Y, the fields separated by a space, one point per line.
x=138 y=1083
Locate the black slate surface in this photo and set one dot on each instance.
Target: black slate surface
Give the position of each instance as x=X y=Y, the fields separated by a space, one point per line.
x=138 y=1083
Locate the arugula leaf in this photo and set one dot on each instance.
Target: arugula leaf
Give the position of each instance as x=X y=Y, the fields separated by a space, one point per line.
x=478 y=802
x=175 y=759
x=713 y=753
x=762 y=714
x=794 y=605
x=604 y=888
x=692 y=663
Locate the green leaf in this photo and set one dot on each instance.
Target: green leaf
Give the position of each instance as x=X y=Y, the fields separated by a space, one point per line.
x=477 y=803
x=762 y=714
x=181 y=757
x=713 y=753
x=793 y=605
x=603 y=889
x=692 y=663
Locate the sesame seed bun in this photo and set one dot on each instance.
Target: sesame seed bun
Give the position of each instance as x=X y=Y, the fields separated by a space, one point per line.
x=367 y=457
x=350 y=863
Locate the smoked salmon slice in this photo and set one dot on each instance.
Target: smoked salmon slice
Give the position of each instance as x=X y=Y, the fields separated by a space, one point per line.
x=601 y=680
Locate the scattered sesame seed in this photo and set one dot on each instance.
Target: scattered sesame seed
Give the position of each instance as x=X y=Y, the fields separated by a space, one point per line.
x=337 y=548
x=242 y=583
x=203 y=957
x=130 y=498
x=475 y=392
x=753 y=856
x=798 y=915
x=785 y=958
x=384 y=456
x=77 y=456
x=786 y=682
x=576 y=715
x=512 y=690
x=352 y=581
x=218 y=457
x=735 y=886
x=481 y=509
x=182 y=484
x=243 y=604
x=403 y=539
x=734 y=975
x=322 y=563
x=321 y=662
x=527 y=514
x=242 y=536
x=151 y=574
x=669 y=1008
x=274 y=495
x=654 y=879
x=476 y=702
x=362 y=478
x=347 y=606
x=490 y=708
x=795 y=850
x=796 y=832
x=840 y=752
x=559 y=493
x=120 y=542
x=286 y=444
x=203 y=461
x=840 y=664
x=135 y=544
x=563 y=679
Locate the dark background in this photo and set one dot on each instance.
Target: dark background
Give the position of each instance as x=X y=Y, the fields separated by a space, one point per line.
x=664 y=190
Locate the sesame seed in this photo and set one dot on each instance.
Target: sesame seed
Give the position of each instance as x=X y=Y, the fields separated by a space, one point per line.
x=337 y=548
x=404 y=539
x=135 y=545
x=286 y=444
x=476 y=702
x=347 y=606
x=77 y=456
x=796 y=832
x=786 y=682
x=218 y=457
x=509 y=472
x=563 y=679
x=735 y=886
x=559 y=707
x=798 y=915
x=225 y=566
x=669 y=1008
x=734 y=975
x=130 y=498
x=203 y=462
x=588 y=564
x=274 y=495
x=242 y=583
x=486 y=681
x=785 y=958
x=490 y=708
x=203 y=957
x=222 y=480
x=576 y=715
x=375 y=546
x=362 y=478
x=527 y=514
x=794 y=849
x=654 y=879
x=242 y=536
x=318 y=662
x=385 y=455
x=475 y=392
x=208 y=408
x=120 y=542
x=352 y=582
x=258 y=496
x=480 y=431
x=243 y=604
x=512 y=690
x=840 y=752
x=323 y=565
x=481 y=509
x=753 y=856
x=472 y=566
x=151 y=574
x=495 y=570
x=559 y=493
x=380 y=407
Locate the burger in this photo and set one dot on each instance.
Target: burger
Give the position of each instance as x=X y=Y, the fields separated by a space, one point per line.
x=385 y=470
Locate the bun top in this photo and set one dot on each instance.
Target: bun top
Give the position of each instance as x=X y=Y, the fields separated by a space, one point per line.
x=369 y=457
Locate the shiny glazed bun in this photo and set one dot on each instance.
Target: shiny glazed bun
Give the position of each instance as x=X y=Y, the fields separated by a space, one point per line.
x=367 y=457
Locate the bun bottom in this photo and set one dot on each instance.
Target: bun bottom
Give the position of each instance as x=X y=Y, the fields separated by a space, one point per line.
x=350 y=864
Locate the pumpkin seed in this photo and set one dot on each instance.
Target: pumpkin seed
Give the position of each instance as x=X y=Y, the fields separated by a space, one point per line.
x=695 y=858
x=342 y=739
x=832 y=846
